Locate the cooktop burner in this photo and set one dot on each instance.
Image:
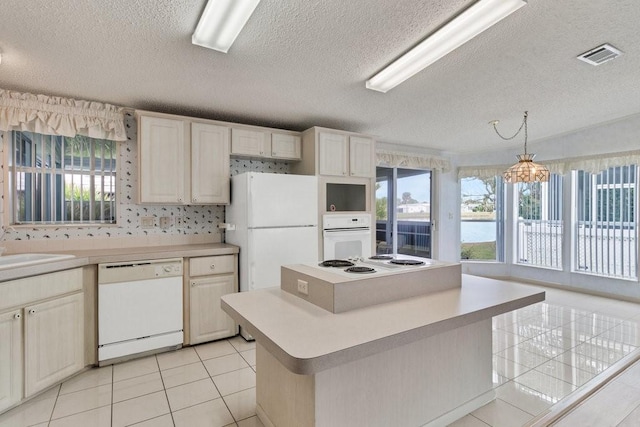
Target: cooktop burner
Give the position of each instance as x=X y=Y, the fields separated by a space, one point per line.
x=386 y=257
x=406 y=262
x=360 y=270
x=336 y=263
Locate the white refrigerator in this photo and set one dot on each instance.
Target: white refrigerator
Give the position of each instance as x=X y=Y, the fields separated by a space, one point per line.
x=275 y=217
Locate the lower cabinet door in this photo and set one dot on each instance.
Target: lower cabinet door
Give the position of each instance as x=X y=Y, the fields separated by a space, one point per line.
x=10 y=358
x=208 y=321
x=54 y=341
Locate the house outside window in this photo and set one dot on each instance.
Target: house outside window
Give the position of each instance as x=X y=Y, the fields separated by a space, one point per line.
x=403 y=211
x=61 y=180
x=539 y=225
x=605 y=222
x=482 y=219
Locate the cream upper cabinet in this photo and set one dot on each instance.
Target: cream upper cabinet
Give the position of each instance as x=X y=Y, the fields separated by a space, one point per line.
x=182 y=162
x=250 y=143
x=162 y=147
x=344 y=155
x=10 y=358
x=333 y=154
x=362 y=157
x=286 y=146
x=53 y=341
x=209 y=164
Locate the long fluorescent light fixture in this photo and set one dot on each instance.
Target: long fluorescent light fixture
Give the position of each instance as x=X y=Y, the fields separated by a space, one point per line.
x=474 y=20
x=221 y=22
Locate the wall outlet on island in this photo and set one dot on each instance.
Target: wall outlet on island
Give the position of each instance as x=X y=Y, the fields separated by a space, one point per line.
x=303 y=287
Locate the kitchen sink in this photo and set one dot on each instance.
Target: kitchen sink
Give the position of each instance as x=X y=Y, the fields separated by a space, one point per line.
x=21 y=260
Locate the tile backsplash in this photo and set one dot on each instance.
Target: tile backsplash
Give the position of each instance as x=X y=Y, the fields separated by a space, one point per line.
x=198 y=221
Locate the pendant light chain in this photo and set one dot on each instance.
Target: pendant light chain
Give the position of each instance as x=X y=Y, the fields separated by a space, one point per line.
x=523 y=125
x=526 y=170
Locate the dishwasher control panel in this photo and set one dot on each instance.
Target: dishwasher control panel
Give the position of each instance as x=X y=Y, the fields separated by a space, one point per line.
x=139 y=270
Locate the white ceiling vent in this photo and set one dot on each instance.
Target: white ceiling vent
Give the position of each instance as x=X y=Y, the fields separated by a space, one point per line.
x=600 y=55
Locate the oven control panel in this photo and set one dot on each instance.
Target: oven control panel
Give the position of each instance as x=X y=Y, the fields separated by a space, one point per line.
x=334 y=221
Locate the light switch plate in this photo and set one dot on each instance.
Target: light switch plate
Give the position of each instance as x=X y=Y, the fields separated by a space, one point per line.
x=147 y=222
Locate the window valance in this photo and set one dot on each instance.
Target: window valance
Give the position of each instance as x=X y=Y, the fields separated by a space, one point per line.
x=593 y=164
x=54 y=115
x=412 y=161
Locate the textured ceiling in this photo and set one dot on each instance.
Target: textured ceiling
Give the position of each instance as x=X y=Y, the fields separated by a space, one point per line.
x=303 y=63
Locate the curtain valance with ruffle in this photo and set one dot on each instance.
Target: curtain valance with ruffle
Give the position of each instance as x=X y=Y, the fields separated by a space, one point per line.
x=55 y=115
x=412 y=161
x=593 y=164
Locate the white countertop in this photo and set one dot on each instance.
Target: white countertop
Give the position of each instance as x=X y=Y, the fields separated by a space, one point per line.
x=307 y=339
x=96 y=256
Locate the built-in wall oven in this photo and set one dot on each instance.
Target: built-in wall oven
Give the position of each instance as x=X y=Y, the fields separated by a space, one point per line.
x=346 y=236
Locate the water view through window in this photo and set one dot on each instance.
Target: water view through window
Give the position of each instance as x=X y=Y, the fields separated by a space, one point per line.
x=481 y=218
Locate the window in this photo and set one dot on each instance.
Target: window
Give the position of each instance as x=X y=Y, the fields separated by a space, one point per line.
x=605 y=222
x=481 y=219
x=60 y=180
x=539 y=223
x=405 y=207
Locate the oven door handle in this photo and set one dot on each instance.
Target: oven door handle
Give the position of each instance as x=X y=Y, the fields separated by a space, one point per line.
x=347 y=230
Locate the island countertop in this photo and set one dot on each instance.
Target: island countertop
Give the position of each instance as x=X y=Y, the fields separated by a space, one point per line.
x=307 y=339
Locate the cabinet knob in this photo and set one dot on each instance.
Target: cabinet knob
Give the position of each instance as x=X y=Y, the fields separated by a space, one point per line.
x=212 y=266
x=193 y=284
x=32 y=311
x=17 y=316
x=195 y=200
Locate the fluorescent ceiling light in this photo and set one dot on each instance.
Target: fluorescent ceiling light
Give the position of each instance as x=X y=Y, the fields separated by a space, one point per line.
x=221 y=22
x=474 y=20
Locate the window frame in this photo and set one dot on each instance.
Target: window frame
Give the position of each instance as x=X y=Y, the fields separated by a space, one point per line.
x=10 y=213
x=500 y=220
x=593 y=215
x=549 y=226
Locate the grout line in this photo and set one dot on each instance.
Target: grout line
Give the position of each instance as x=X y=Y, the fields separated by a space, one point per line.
x=214 y=383
x=166 y=396
x=53 y=408
x=113 y=373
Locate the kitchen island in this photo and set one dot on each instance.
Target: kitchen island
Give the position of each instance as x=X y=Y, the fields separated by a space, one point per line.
x=425 y=360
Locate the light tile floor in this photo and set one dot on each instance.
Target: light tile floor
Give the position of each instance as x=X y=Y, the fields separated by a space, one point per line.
x=209 y=385
x=541 y=354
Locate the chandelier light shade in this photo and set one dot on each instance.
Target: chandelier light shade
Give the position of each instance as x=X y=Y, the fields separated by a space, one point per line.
x=526 y=170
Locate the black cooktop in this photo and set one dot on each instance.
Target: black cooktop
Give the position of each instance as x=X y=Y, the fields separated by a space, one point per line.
x=406 y=262
x=360 y=270
x=336 y=263
x=385 y=257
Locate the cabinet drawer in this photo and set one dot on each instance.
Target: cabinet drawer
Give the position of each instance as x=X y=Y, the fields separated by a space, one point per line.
x=19 y=292
x=208 y=265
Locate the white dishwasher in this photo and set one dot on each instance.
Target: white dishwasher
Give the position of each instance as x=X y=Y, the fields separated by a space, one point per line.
x=139 y=307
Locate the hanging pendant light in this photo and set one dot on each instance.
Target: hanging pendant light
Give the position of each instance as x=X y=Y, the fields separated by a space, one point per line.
x=526 y=170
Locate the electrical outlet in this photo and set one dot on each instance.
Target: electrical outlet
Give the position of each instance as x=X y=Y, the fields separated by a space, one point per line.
x=303 y=287
x=165 y=222
x=147 y=222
